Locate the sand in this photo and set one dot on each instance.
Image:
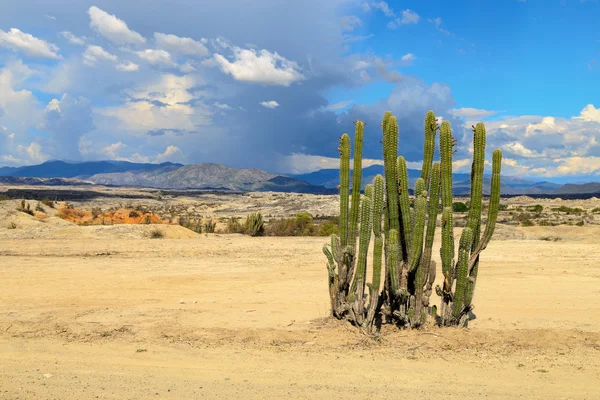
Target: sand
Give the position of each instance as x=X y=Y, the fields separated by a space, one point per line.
x=104 y=312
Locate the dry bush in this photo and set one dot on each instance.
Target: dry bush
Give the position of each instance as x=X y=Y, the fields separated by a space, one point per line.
x=156 y=234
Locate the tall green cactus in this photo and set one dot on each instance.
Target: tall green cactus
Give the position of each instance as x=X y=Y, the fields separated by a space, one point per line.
x=407 y=234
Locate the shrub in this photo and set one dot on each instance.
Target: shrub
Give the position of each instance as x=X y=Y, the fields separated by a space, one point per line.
x=96 y=212
x=580 y=223
x=209 y=226
x=459 y=206
x=12 y=225
x=527 y=222
x=38 y=207
x=568 y=210
x=255 y=225
x=502 y=207
x=4 y=197
x=25 y=207
x=47 y=202
x=329 y=227
x=596 y=210
x=234 y=226
x=538 y=208
x=156 y=234
x=551 y=238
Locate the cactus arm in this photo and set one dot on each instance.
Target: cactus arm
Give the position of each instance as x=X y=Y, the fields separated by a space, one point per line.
x=405 y=216
x=390 y=149
x=344 y=187
x=474 y=218
x=356 y=182
x=462 y=266
x=358 y=284
x=447 y=250
x=428 y=147
x=446 y=139
x=416 y=250
x=392 y=255
x=489 y=227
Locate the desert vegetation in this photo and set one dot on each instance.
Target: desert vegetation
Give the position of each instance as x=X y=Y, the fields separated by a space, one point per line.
x=409 y=272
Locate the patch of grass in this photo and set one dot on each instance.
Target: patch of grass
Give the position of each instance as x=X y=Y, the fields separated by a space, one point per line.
x=255 y=225
x=141 y=350
x=580 y=223
x=4 y=197
x=12 y=225
x=38 y=207
x=106 y=334
x=209 y=226
x=47 y=202
x=502 y=207
x=234 y=226
x=156 y=234
x=568 y=210
x=527 y=222
x=538 y=208
x=595 y=210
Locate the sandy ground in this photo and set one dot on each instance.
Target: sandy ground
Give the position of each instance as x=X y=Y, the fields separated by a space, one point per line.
x=84 y=315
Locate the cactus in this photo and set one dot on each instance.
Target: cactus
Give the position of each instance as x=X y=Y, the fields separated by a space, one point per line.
x=405 y=241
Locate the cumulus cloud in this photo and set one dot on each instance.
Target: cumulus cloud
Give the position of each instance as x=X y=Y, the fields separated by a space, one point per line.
x=182 y=45
x=76 y=40
x=68 y=119
x=160 y=58
x=172 y=153
x=438 y=23
x=261 y=66
x=113 y=28
x=471 y=113
x=589 y=114
x=94 y=54
x=409 y=57
x=269 y=104
x=127 y=66
x=30 y=45
x=350 y=22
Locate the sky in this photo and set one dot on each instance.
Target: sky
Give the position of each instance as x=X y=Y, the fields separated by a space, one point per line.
x=272 y=84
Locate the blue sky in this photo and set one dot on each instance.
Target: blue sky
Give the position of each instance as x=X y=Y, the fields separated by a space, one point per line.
x=275 y=83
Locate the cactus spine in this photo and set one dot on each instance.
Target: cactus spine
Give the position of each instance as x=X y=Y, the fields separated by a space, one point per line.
x=405 y=241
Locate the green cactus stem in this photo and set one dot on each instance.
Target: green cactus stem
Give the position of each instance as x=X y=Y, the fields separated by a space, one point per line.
x=428 y=147
x=356 y=182
x=462 y=266
x=344 y=150
x=405 y=216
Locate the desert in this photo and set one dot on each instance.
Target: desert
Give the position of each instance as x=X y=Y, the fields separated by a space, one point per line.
x=105 y=311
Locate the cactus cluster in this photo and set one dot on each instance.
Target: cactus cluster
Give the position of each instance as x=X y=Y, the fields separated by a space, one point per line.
x=403 y=272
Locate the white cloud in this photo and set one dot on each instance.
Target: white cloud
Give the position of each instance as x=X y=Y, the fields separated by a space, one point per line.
x=297 y=163
x=79 y=41
x=34 y=152
x=260 y=67
x=350 y=22
x=589 y=114
x=28 y=44
x=385 y=8
x=409 y=57
x=52 y=17
x=187 y=68
x=171 y=153
x=468 y=113
x=409 y=17
x=127 y=67
x=94 y=54
x=437 y=22
x=113 y=28
x=222 y=106
x=20 y=109
x=111 y=150
x=182 y=45
x=269 y=104
x=160 y=58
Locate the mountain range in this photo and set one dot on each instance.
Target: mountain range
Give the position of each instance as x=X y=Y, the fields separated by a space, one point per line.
x=220 y=177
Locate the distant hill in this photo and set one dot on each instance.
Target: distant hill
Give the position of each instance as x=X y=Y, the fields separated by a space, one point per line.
x=221 y=177
x=82 y=170
x=461 y=181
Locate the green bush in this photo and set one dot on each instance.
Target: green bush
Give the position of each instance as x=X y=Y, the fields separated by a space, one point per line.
x=234 y=226
x=527 y=222
x=538 y=208
x=459 y=206
x=255 y=225
x=47 y=202
x=568 y=210
x=580 y=223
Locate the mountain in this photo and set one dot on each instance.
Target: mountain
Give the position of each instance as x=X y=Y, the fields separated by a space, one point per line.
x=209 y=176
x=461 y=181
x=82 y=170
x=585 y=188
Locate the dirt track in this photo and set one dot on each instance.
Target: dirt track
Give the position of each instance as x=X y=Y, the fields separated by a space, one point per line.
x=237 y=317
